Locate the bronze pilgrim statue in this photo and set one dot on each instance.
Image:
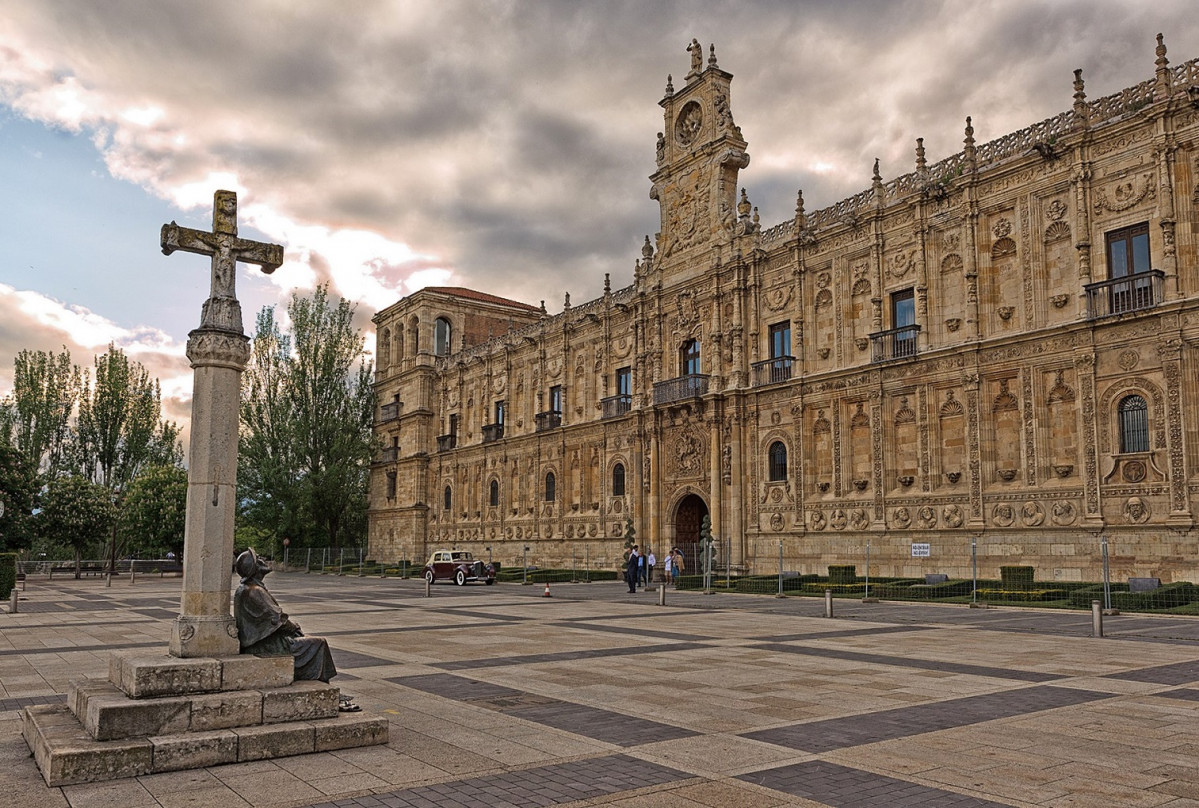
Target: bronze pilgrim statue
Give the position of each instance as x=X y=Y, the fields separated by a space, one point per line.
x=264 y=629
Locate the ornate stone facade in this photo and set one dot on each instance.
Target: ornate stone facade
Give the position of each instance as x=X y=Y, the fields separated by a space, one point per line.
x=997 y=347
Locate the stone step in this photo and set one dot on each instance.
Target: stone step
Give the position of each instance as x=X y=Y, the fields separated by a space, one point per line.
x=163 y=675
x=108 y=714
x=67 y=754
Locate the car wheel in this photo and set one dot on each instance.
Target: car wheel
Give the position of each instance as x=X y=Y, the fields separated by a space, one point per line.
x=460 y=578
x=490 y=581
x=429 y=577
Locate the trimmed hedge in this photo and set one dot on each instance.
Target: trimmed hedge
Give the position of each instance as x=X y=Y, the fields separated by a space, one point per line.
x=1017 y=577
x=1166 y=596
x=1021 y=595
x=8 y=574
x=918 y=590
x=842 y=573
x=767 y=584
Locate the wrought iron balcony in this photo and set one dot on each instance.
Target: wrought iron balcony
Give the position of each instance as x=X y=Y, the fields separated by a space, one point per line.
x=1124 y=295
x=390 y=454
x=389 y=412
x=446 y=442
x=694 y=385
x=548 y=420
x=492 y=432
x=772 y=371
x=897 y=343
x=616 y=406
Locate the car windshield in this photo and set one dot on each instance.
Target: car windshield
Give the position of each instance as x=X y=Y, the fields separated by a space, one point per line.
x=462 y=556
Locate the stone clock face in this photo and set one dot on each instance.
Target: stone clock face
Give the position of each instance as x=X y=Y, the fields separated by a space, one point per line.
x=688 y=124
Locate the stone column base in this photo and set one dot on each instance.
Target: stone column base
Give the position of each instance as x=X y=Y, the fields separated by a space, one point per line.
x=195 y=637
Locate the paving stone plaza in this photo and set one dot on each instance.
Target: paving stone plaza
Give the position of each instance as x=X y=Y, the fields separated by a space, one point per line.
x=499 y=696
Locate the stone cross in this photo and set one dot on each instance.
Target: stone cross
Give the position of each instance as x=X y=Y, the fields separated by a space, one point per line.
x=218 y=351
x=226 y=250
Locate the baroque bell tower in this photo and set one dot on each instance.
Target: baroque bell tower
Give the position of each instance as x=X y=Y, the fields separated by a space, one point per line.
x=700 y=151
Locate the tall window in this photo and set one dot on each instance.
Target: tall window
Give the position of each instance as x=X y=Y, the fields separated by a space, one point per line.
x=618 y=480
x=624 y=381
x=903 y=315
x=443 y=333
x=689 y=358
x=1134 y=424
x=447 y=501
x=500 y=411
x=1128 y=251
x=391 y=485
x=778 y=462
x=493 y=493
x=780 y=340
x=453 y=425
x=556 y=399
x=550 y=487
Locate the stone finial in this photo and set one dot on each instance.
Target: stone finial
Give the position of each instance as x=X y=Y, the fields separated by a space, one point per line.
x=1080 y=95
x=636 y=271
x=1161 y=87
x=876 y=185
x=921 y=163
x=566 y=302
x=669 y=85
x=607 y=283
x=647 y=250
x=801 y=218
x=757 y=222
x=743 y=207
x=543 y=311
x=968 y=153
x=712 y=54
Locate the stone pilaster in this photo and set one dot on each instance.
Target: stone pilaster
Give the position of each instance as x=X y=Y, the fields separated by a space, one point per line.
x=205 y=627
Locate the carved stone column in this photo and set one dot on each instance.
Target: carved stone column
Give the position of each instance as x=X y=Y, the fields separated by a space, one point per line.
x=876 y=453
x=205 y=627
x=973 y=325
x=737 y=476
x=715 y=509
x=1084 y=366
x=973 y=449
x=1170 y=350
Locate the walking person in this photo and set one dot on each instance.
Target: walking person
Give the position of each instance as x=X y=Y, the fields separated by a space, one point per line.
x=631 y=570
x=666 y=567
x=650 y=561
x=679 y=567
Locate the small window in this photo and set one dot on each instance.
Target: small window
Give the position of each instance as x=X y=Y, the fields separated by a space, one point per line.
x=903 y=308
x=1134 y=424
x=778 y=462
x=500 y=411
x=1128 y=251
x=556 y=399
x=493 y=494
x=447 y=499
x=550 y=486
x=689 y=358
x=391 y=485
x=780 y=340
x=618 y=480
x=624 y=381
x=442 y=336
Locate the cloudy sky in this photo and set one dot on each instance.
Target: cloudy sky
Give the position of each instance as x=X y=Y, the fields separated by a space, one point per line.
x=503 y=146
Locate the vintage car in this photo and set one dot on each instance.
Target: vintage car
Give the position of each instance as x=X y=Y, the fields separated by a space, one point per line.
x=459 y=566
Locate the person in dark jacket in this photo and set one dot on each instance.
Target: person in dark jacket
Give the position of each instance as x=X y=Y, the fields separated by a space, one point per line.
x=632 y=570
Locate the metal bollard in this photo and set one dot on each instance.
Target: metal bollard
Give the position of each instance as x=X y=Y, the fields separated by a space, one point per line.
x=828 y=603
x=1096 y=619
x=662 y=595
x=428 y=588
x=108 y=579
x=12 y=602
x=132 y=573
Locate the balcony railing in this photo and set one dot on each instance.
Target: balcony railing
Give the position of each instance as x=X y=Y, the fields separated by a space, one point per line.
x=390 y=454
x=616 y=406
x=492 y=432
x=548 y=420
x=446 y=442
x=684 y=387
x=1123 y=295
x=898 y=343
x=772 y=371
x=389 y=412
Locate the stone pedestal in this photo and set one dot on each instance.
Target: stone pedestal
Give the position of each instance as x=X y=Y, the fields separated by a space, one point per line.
x=161 y=713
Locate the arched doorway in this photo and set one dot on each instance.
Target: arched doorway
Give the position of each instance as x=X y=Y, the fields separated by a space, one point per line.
x=688 y=518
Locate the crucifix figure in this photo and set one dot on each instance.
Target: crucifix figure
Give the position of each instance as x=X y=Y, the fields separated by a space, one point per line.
x=226 y=250
x=218 y=351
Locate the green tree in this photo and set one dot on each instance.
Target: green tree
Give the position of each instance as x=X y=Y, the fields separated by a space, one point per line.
x=18 y=496
x=76 y=512
x=152 y=513
x=37 y=419
x=306 y=425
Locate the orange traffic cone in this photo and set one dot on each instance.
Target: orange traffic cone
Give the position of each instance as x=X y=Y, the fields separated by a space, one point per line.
x=547 y=590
